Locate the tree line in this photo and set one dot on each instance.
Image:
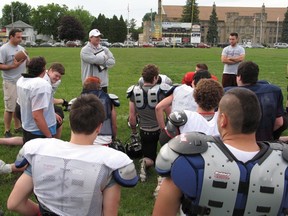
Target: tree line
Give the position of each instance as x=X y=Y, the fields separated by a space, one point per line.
x=65 y=24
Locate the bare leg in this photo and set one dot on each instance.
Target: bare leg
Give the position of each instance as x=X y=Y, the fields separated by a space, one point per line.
x=11 y=141
x=59 y=132
x=17 y=122
x=7 y=120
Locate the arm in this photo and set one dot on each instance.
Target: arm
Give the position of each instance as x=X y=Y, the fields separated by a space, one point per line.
x=114 y=122
x=160 y=108
x=110 y=62
x=278 y=123
x=132 y=116
x=19 y=201
x=168 y=199
x=41 y=122
x=226 y=60
x=238 y=58
x=111 y=200
x=88 y=56
x=12 y=66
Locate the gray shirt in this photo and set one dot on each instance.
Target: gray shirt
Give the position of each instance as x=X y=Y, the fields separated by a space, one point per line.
x=7 y=53
x=230 y=51
x=95 y=61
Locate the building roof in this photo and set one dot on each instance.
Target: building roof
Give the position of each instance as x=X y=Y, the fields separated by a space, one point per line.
x=175 y=12
x=18 y=24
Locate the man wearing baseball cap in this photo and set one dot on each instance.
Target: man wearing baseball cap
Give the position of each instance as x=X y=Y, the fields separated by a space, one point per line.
x=96 y=59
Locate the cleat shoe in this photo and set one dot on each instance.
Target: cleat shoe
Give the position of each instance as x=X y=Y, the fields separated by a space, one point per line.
x=18 y=130
x=156 y=191
x=143 y=174
x=7 y=134
x=5 y=168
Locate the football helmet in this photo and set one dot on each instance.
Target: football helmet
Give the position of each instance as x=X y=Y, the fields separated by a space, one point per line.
x=133 y=146
x=117 y=144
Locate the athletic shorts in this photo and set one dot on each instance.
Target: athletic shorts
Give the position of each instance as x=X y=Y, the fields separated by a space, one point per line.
x=229 y=80
x=10 y=95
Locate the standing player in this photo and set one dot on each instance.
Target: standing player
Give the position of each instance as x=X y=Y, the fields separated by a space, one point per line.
x=232 y=56
x=11 y=72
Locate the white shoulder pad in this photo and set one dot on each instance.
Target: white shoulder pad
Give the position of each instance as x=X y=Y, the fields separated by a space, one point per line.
x=165 y=87
x=129 y=91
x=165 y=159
x=115 y=99
x=126 y=176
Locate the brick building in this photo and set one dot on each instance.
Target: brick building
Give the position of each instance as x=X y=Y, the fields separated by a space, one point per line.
x=255 y=24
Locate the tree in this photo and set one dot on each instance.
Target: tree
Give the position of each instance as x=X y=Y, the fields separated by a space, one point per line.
x=20 y=11
x=147 y=16
x=284 y=36
x=187 y=12
x=212 y=35
x=84 y=17
x=45 y=19
x=71 y=29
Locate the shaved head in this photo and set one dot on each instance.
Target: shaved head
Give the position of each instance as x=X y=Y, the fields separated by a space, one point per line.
x=242 y=108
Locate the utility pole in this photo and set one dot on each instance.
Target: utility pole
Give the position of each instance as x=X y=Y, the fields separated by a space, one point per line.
x=12 y=15
x=254 y=35
x=128 y=25
x=150 y=36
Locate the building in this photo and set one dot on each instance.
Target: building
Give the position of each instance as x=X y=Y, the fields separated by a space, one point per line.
x=254 y=24
x=28 y=30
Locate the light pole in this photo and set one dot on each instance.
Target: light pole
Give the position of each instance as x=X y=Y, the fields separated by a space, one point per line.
x=277 y=29
x=254 y=35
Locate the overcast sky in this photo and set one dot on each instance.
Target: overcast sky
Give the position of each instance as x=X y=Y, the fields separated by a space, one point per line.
x=138 y=8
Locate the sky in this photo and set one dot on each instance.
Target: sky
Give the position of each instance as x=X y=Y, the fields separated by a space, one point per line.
x=138 y=8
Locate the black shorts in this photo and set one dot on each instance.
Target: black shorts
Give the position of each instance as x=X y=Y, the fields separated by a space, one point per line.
x=149 y=141
x=229 y=80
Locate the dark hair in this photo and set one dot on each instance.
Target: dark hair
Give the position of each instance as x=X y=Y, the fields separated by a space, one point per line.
x=208 y=93
x=202 y=74
x=248 y=72
x=242 y=107
x=86 y=114
x=13 y=31
x=57 y=67
x=36 y=66
x=149 y=72
x=202 y=66
x=234 y=34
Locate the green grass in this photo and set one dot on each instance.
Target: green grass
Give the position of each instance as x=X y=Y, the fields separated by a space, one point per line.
x=129 y=63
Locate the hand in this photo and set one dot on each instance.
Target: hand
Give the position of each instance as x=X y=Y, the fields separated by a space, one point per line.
x=65 y=104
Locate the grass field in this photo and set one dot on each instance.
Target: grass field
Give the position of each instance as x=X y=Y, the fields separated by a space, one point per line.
x=129 y=62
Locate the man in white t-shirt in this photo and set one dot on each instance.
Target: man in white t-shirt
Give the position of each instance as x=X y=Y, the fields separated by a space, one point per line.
x=231 y=57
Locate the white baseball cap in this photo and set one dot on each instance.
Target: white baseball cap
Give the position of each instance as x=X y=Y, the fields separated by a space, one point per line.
x=95 y=33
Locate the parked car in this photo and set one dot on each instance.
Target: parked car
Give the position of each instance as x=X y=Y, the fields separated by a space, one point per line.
x=222 y=45
x=160 y=44
x=105 y=43
x=45 y=44
x=280 y=45
x=203 y=45
x=188 y=45
x=257 y=45
x=58 y=44
x=148 y=45
x=117 y=44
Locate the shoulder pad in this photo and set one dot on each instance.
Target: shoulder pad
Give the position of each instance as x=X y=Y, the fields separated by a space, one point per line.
x=165 y=87
x=126 y=176
x=21 y=161
x=178 y=118
x=141 y=81
x=115 y=99
x=171 y=90
x=189 y=143
x=282 y=147
x=129 y=91
x=164 y=160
